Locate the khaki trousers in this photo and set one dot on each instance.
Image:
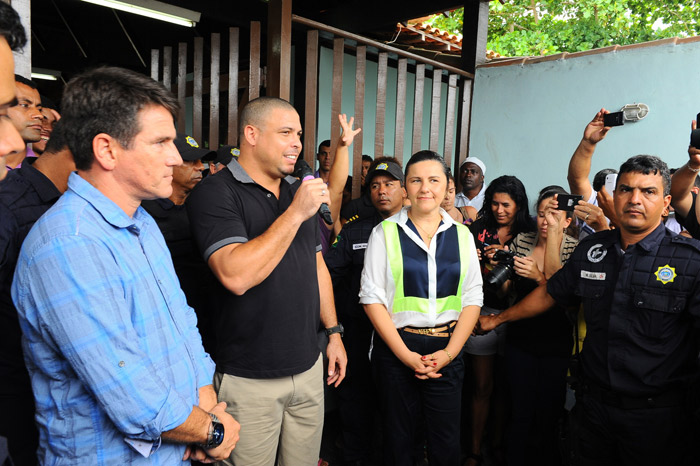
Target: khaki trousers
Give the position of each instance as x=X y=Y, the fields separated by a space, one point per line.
x=281 y=419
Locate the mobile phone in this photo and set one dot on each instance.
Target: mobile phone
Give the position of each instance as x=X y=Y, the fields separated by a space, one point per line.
x=568 y=201
x=695 y=134
x=610 y=182
x=614 y=119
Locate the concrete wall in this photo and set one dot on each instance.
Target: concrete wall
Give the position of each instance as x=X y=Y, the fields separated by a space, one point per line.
x=528 y=117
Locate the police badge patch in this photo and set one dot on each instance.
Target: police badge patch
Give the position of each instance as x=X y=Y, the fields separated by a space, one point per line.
x=596 y=253
x=665 y=274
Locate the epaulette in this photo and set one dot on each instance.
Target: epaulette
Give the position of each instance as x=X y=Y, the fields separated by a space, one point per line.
x=352 y=219
x=691 y=242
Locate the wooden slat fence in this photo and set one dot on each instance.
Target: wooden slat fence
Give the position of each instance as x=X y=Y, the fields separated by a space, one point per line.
x=240 y=85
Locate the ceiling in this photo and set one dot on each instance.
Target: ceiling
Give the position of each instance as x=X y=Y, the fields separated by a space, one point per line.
x=70 y=35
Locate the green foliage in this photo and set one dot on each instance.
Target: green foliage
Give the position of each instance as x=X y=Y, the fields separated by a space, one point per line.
x=529 y=27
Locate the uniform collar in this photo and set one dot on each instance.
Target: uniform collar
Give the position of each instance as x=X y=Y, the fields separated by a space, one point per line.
x=650 y=243
x=44 y=187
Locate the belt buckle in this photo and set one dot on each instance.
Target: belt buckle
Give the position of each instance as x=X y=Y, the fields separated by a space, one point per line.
x=425 y=331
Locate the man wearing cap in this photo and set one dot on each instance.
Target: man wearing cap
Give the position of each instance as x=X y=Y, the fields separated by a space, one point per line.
x=345 y=260
x=224 y=155
x=196 y=280
x=471 y=177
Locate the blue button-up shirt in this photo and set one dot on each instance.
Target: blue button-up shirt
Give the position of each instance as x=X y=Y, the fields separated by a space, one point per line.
x=110 y=343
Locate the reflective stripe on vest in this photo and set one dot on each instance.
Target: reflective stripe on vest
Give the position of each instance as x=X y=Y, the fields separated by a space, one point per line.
x=411 y=303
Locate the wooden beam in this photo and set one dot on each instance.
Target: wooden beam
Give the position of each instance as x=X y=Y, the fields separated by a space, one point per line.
x=474 y=34
x=181 y=85
x=381 y=105
x=233 y=59
x=450 y=119
x=465 y=122
x=382 y=47
x=279 y=48
x=155 y=62
x=215 y=71
x=400 y=109
x=310 y=100
x=435 y=111
x=418 y=108
x=360 y=71
x=197 y=94
x=254 y=83
x=168 y=67
x=337 y=97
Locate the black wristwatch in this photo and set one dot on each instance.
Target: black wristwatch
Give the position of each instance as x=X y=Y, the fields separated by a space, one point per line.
x=216 y=433
x=337 y=329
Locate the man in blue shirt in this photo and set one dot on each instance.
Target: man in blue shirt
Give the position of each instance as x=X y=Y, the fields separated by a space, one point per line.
x=117 y=365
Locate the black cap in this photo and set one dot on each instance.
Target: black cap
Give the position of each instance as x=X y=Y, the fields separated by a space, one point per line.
x=189 y=149
x=224 y=154
x=390 y=168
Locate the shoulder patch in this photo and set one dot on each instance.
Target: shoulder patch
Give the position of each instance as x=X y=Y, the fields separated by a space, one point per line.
x=596 y=253
x=336 y=241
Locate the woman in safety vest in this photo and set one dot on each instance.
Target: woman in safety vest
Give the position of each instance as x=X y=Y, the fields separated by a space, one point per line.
x=421 y=288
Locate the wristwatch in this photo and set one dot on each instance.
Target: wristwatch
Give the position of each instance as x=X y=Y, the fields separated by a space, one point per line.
x=337 y=329
x=216 y=433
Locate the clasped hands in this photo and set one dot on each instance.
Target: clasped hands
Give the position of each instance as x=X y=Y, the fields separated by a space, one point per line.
x=427 y=366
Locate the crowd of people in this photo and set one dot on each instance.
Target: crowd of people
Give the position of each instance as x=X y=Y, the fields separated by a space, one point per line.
x=163 y=302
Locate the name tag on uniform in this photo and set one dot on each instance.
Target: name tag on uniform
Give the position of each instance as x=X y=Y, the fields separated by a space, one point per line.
x=357 y=246
x=592 y=275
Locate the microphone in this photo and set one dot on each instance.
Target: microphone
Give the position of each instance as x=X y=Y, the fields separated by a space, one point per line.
x=303 y=171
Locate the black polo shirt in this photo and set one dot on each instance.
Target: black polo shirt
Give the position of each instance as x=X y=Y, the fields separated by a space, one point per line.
x=271 y=330
x=641 y=307
x=25 y=194
x=197 y=281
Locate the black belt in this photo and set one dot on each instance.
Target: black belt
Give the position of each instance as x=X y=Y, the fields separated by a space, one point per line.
x=667 y=399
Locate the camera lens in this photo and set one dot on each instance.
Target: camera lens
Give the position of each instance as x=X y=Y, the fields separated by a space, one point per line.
x=498 y=276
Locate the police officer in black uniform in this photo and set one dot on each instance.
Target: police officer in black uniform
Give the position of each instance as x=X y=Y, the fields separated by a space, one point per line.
x=345 y=260
x=640 y=290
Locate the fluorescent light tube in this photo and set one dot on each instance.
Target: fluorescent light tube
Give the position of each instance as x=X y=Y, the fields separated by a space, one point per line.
x=153 y=9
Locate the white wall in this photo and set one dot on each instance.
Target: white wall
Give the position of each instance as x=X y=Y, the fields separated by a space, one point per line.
x=528 y=119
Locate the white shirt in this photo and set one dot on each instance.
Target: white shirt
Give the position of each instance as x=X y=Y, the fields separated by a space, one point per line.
x=461 y=200
x=377 y=284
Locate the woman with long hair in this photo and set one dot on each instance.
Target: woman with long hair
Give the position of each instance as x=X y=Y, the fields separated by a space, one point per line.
x=421 y=288
x=504 y=215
